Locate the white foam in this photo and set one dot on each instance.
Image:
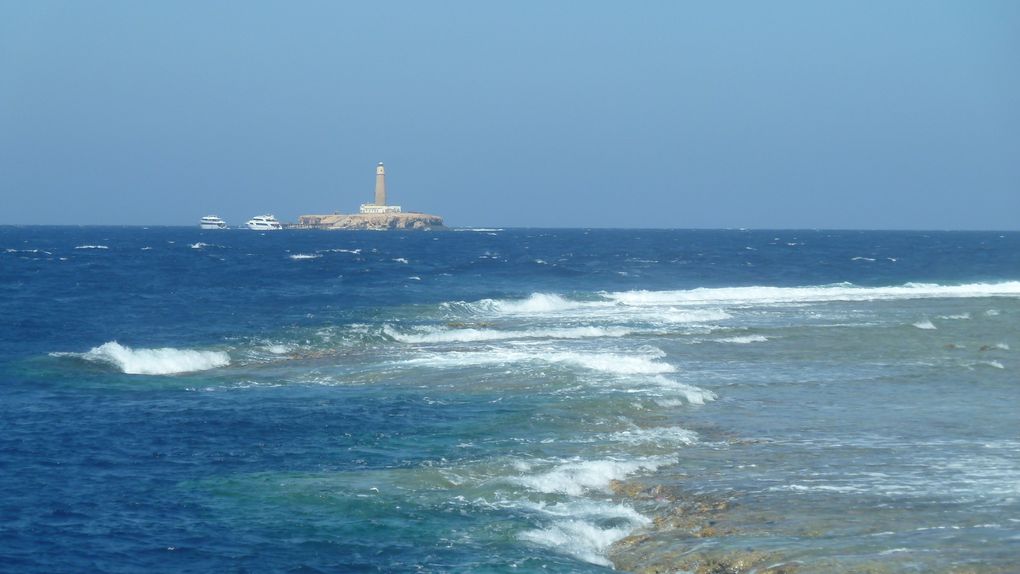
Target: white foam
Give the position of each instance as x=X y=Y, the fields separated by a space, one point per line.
x=579 y=539
x=744 y=339
x=840 y=292
x=536 y=303
x=925 y=324
x=612 y=363
x=300 y=256
x=400 y=260
x=992 y=312
x=662 y=436
x=690 y=393
x=959 y=316
x=995 y=364
x=198 y=245
x=435 y=335
x=576 y=478
x=862 y=259
x=27 y=251
x=92 y=247
x=1002 y=346
x=165 y=361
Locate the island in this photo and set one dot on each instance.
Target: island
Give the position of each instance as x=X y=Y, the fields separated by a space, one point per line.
x=378 y=216
x=374 y=221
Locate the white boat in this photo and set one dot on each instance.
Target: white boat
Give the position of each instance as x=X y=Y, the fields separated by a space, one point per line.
x=264 y=223
x=212 y=222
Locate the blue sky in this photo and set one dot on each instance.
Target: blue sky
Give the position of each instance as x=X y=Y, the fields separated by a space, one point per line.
x=878 y=115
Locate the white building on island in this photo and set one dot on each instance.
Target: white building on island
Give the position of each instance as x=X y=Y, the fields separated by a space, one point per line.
x=380 y=195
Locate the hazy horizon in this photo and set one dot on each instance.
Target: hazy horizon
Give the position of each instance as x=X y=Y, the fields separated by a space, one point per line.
x=786 y=116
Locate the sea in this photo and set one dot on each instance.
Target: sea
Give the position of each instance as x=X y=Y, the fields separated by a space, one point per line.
x=509 y=400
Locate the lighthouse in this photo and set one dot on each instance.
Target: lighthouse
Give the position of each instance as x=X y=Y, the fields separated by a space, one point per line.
x=380 y=184
x=380 y=195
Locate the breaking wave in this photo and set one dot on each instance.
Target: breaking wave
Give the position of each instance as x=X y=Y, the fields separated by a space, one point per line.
x=470 y=335
x=576 y=478
x=612 y=363
x=165 y=361
x=840 y=292
x=744 y=339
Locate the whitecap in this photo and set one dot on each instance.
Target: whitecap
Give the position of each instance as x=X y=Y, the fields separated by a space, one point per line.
x=164 y=361
x=92 y=247
x=859 y=258
x=925 y=324
x=744 y=339
x=662 y=436
x=469 y=335
x=198 y=245
x=301 y=256
x=958 y=316
x=757 y=295
x=578 y=477
x=536 y=303
x=612 y=363
x=400 y=260
x=690 y=393
x=578 y=538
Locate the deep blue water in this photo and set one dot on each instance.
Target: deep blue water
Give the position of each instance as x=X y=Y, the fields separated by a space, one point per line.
x=190 y=401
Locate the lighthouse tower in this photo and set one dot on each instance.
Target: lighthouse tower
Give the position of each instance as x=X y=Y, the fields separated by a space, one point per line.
x=380 y=195
x=380 y=184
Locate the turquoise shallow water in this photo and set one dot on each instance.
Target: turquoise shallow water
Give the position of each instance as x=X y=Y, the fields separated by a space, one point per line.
x=508 y=401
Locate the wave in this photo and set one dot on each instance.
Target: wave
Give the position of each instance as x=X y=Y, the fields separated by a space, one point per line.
x=744 y=339
x=959 y=316
x=611 y=363
x=91 y=247
x=27 y=251
x=662 y=436
x=352 y=251
x=536 y=303
x=300 y=256
x=469 y=335
x=576 y=527
x=551 y=304
x=165 y=361
x=925 y=324
x=576 y=478
x=578 y=538
x=816 y=294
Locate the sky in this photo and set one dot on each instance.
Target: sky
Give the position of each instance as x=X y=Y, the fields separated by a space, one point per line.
x=661 y=114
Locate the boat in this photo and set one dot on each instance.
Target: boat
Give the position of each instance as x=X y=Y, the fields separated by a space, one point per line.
x=264 y=223
x=212 y=222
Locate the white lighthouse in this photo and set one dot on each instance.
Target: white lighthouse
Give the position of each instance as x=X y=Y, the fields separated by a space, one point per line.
x=380 y=195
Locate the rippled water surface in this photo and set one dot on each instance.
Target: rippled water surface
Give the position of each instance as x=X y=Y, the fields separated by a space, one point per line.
x=509 y=401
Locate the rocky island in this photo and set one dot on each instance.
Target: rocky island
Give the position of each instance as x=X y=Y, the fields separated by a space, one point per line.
x=375 y=221
x=375 y=216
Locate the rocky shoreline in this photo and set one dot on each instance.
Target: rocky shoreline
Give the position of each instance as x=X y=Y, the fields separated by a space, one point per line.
x=371 y=221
